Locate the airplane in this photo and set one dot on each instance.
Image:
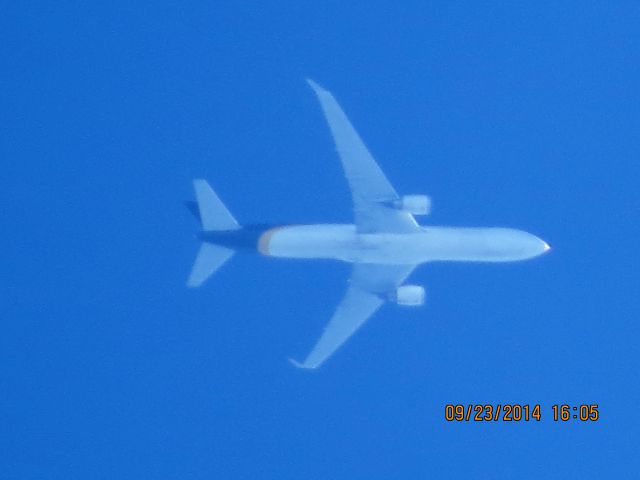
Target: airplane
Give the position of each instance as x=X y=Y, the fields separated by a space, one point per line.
x=384 y=244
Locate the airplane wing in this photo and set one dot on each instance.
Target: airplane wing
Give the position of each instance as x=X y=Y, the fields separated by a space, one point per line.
x=371 y=191
x=369 y=286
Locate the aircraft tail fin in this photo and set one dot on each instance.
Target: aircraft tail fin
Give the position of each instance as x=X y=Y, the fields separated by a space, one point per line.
x=209 y=259
x=213 y=214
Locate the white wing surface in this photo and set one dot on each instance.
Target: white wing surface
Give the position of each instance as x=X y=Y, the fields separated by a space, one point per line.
x=370 y=286
x=372 y=193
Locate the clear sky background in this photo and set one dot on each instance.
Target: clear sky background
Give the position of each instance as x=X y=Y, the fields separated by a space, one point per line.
x=521 y=114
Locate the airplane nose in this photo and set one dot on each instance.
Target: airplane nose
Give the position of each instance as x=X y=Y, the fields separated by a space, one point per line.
x=543 y=246
x=525 y=245
x=538 y=246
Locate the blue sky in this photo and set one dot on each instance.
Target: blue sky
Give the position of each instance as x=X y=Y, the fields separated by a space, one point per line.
x=523 y=115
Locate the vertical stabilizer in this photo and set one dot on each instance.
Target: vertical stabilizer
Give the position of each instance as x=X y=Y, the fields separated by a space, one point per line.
x=213 y=214
x=210 y=258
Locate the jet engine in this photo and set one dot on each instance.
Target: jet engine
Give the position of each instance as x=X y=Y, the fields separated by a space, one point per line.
x=414 y=204
x=410 y=295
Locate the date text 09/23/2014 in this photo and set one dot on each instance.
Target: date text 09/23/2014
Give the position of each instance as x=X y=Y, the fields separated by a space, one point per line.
x=519 y=412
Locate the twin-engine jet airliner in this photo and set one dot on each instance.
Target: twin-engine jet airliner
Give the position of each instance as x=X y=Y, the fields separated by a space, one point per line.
x=384 y=244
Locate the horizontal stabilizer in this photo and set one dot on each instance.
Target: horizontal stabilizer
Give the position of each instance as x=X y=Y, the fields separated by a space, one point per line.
x=213 y=214
x=210 y=258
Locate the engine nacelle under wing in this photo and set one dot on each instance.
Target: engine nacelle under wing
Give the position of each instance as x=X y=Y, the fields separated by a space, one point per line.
x=414 y=204
x=409 y=295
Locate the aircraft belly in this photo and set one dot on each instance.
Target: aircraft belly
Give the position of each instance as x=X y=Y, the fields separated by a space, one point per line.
x=392 y=249
x=341 y=242
x=310 y=241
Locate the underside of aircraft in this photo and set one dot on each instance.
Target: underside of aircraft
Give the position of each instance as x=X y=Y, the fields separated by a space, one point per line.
x=384 y=244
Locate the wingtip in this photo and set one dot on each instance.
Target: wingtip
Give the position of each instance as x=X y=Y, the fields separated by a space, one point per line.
x=199 y=181
x=315 y=87
x=193 y=281
x=297 y=364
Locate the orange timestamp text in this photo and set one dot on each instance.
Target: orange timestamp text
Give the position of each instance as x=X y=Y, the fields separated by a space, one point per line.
x=518 y=412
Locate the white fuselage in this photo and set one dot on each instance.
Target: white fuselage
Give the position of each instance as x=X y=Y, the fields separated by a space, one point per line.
x=428 y=244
